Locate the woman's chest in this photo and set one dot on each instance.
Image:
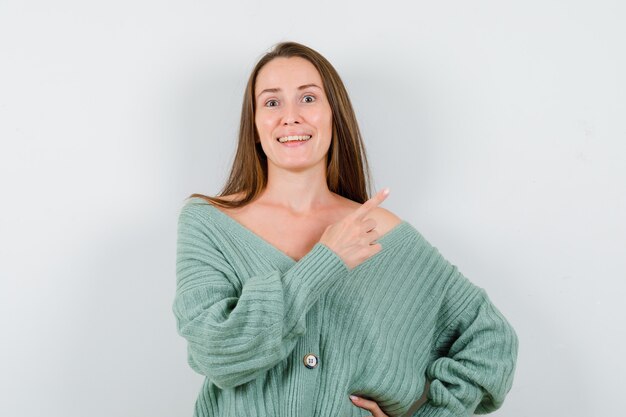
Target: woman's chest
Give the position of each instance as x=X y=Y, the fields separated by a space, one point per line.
x=293 y=236
x=294 y=239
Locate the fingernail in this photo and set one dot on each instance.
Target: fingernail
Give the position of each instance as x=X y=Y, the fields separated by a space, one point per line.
x=386 y=191
x=354 y=397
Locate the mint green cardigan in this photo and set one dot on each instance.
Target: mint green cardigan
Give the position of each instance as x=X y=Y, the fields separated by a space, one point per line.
x=251 y=314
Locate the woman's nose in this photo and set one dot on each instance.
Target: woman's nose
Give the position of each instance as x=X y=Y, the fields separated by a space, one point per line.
x=291 y=114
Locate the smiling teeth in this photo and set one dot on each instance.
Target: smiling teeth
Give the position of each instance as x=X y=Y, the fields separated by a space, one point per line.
x=290 y=138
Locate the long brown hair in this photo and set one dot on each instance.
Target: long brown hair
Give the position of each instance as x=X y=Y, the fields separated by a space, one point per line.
x=347 y=169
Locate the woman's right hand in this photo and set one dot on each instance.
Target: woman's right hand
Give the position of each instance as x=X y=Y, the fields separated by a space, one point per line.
x=351 y=238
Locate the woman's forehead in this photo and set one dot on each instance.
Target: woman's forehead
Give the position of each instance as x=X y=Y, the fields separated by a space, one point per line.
x=287 y=73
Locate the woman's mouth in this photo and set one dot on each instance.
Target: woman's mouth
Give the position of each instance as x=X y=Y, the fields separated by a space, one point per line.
x=290 y=139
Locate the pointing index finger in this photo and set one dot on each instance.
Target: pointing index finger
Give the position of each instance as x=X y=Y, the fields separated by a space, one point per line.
x=366 y=207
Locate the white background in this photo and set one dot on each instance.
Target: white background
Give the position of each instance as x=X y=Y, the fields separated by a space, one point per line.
x=499 y=127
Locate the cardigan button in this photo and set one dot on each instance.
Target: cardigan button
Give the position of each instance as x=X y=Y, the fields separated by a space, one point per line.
x=310 y=360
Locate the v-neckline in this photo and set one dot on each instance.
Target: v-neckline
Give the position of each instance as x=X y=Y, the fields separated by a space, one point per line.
x=266 y=243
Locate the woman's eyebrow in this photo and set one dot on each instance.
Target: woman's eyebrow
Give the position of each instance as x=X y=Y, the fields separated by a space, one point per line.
x=305 y=86
x=276 y=90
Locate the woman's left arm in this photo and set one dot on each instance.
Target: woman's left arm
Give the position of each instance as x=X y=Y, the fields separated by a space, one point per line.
x=474 y=370
x=474 y=348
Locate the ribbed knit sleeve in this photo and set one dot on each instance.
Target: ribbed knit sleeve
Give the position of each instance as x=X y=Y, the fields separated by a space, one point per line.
x=238 y=328
x=476 y=354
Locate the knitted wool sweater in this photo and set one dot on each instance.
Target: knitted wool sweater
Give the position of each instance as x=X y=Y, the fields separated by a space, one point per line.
x=251 y=314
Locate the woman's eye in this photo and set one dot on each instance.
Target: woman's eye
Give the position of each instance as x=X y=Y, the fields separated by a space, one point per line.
x=309 y=99
x=271 y=103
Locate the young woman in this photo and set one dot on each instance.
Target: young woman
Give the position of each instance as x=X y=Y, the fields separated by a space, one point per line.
x=296 y=291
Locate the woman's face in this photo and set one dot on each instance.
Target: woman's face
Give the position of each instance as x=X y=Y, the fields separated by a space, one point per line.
x=291 y=105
